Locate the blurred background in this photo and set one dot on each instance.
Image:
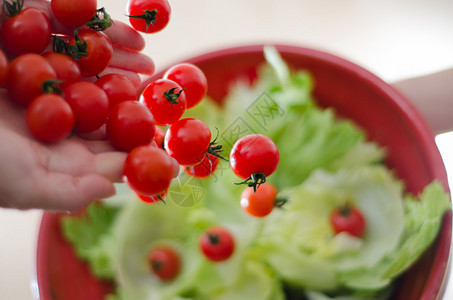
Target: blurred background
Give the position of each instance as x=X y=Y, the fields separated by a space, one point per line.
x=394 y=39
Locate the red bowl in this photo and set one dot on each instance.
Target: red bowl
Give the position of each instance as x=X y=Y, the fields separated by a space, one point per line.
x=355 y=93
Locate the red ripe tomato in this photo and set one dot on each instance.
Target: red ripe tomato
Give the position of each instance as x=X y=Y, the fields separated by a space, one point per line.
x=148 y=16
x=153 y=199
x=50 y=118
x=204 y=169
x=166 y=100
x=99 y=51
x=29 y=31
x=348 y=218
x=164 y=262
x=73 y=13
x=191 y=79
x=90 y=105
x=26 y=77
x=67 y=69
x=261 y=202
x=187 y=141
x=217 y=244
x=4 y=63
x=117 y=87
x=130 y=124
x=148 y=170
x=254 y=157
x=159 y=137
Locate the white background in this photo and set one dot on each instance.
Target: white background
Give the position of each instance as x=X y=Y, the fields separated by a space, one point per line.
x=394 y=39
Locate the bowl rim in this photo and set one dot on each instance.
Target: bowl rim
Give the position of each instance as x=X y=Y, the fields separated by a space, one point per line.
x=438 y=277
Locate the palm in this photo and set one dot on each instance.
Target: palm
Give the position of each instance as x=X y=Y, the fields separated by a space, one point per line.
x=65 y=175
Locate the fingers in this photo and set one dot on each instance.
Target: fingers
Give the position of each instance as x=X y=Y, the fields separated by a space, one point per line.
x=132 y=60
x=125 y=36
x=62 y=192
x=110 y=165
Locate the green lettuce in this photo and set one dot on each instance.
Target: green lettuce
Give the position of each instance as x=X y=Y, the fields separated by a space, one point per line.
x=291 y=254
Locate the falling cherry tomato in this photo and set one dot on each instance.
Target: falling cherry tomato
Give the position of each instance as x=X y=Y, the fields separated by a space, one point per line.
x=148 y=16
x=217 y=244
x=164 y=262
x=253 y=158
x=191 y=79
x=261 y=202
x=348 y=218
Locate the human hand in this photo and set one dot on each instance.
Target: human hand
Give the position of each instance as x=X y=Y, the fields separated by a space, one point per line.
x=69 y=174
x=63 y=176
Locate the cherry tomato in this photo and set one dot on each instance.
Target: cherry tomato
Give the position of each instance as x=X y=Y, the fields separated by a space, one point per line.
x=50 y=118
x=217 y=244
x=90 y=105
x=73 y=13
x=348 y=218
x=4 y=63
x=166 y=100
x=261 y=202
x=159 y=137
x=191 y=79
x=67 y=69
x=153 y=199
x=148 y=16
x=148 y=170
x=117 y=87
x=26 y=77
x=254 y=157
x=164 y=262
x=99 y=51
x=187 y=141
x=204 y=169
x=130 y=124
x=28 y=31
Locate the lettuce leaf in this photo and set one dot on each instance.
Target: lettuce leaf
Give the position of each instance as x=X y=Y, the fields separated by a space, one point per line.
x=88 y=234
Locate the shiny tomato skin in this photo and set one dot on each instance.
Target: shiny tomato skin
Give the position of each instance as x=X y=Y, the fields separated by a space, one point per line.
x=27 y=32
x=67 y=68
x=254 y=153
x=159 y=137
x=130 y=124
x=187 y=141
x=148 y=170
x=204 y=169
x=348 y=218
x=49 y=118
x=90 y=105
x=191 y=79
x=165 y=112
x=4 y=63
x=259 y=203
x=138 y=7
x=164 y=262
x=73 y=13
x=117 y=87
x=26 y=75
x=99 y=51
x=217 y=244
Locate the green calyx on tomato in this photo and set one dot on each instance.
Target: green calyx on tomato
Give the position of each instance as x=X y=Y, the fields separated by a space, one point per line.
x=149 y=16
x=171 y=96
x=255 y=180
x=215 y=148
x=100 y=21
x=75 y=51
x=52 y=86
x=12 y=8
